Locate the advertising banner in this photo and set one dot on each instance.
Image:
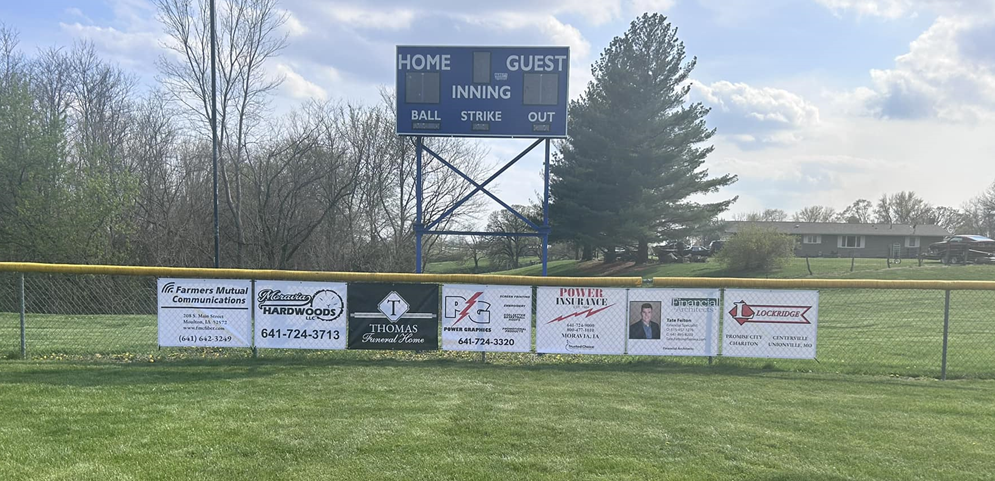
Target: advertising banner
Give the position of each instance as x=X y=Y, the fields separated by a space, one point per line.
x=300 y=315
x=487 y=318
x=204 y=312
x=580 y=320
x=770 y=323
x=394 y=316
x=673 y=322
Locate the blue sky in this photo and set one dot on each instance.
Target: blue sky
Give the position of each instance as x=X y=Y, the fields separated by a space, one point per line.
x=815 y=101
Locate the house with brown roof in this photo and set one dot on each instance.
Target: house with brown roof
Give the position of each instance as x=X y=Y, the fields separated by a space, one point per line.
x=832 y=239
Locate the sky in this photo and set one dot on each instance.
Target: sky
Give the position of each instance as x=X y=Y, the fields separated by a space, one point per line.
x=815 y=102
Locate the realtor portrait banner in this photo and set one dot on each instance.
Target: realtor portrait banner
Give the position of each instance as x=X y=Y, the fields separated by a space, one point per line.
x=394 y=316
x=673 y=322
x=770 y=323
x=487 y=318
x=580 y=320
x=204 y=312
x=300 y=315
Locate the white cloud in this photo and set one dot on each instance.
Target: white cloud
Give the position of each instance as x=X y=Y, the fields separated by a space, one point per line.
x=294 y=26
x=133 y=49
x=396 y=18
x=756 y=115
x=898 y=9
x=948 y=74
x=640 y=6
x=298 y=87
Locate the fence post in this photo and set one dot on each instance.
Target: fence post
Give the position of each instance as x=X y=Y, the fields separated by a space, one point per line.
x=252 y=315
x=24 y=345
x=946 y=330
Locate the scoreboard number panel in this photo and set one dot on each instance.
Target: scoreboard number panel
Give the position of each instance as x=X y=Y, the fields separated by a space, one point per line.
x=483 y=91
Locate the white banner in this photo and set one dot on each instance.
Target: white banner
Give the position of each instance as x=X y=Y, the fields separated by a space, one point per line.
x=673 y=322
x=770 y=323
x=580 y=320
x=301 y=315
x=204 y=312
x=487 y=318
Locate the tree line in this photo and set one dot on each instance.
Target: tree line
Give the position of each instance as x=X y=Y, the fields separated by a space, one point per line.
x=92 y=170
x=975 y=216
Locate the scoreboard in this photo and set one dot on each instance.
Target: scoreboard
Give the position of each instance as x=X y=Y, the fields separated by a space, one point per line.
x=482 y=91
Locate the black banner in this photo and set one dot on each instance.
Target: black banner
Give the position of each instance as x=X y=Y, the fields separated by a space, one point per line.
x=394 y=316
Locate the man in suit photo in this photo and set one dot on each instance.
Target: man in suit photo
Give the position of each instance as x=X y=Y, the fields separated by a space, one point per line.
x=645 y=328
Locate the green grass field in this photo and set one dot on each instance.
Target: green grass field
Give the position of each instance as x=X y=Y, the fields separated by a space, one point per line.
x=444 y=420
x=98 y=400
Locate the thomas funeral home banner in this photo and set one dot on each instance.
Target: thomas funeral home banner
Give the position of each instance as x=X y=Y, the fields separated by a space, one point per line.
x=770 y=323
x=580 y=320
x=204 y=312
x=394 y=316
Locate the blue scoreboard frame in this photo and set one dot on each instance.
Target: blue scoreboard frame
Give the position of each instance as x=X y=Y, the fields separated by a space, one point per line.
x=510 y=92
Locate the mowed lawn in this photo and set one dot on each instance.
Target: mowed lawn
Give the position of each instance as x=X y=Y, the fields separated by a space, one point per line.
x=362 y=419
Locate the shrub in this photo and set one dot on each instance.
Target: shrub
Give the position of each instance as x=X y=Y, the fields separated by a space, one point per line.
x=756 y=249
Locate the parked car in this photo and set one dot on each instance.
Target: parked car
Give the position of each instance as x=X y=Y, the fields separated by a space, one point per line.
x=715 y=246
x=961 y=249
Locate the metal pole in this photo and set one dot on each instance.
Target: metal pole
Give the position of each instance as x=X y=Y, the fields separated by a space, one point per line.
x=252 y=315
x=24 y=345
x=214 y=139
x=418 y=212
x=946 y=330
x=545 y=213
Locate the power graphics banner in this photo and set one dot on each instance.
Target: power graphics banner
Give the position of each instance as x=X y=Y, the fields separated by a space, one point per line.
x=394 y=316
x=580 y=320
x=300 y=315
x=487 y=318
x=770 y=323
x=204 y=312
x=674 y=322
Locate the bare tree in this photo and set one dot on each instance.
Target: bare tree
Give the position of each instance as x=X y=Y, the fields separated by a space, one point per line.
x=248 y=36
x=767 y=215
x=815 y=213
x=903 y=208
x=859 y=212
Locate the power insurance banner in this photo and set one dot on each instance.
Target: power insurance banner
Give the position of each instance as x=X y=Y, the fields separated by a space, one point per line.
x=300 y=315
x=674 y=322
x=487 y=318
x=770 y=323
x=580 y=320
x=204 y=312
x=394 y=316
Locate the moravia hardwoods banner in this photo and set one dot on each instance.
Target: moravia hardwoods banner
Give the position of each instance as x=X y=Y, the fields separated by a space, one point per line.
x=487 y=318
x=674 y=322
x=580 y=320
x=300 y=315
x=393 y=316
x=204 y=312
x=770 y=323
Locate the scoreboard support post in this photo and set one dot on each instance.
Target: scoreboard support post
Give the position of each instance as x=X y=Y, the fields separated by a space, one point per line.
x=540 y=231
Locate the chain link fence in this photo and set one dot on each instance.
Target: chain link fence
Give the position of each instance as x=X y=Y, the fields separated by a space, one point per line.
x=860 y=331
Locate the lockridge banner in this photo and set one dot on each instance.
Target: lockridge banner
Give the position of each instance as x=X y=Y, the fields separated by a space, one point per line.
x=393 y=316
x=487 y=318
x=204 y=312
x=580 y=320
x=770 y=323
x=300 y=315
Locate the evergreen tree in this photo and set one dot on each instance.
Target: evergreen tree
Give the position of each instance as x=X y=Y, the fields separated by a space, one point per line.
x=634 y=154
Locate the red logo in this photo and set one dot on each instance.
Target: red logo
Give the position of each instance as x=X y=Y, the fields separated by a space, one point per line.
x=586 y=313
x=743 y=313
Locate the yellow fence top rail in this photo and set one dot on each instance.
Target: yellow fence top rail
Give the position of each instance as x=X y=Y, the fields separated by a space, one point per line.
x=820 y=283
x=208 y=273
